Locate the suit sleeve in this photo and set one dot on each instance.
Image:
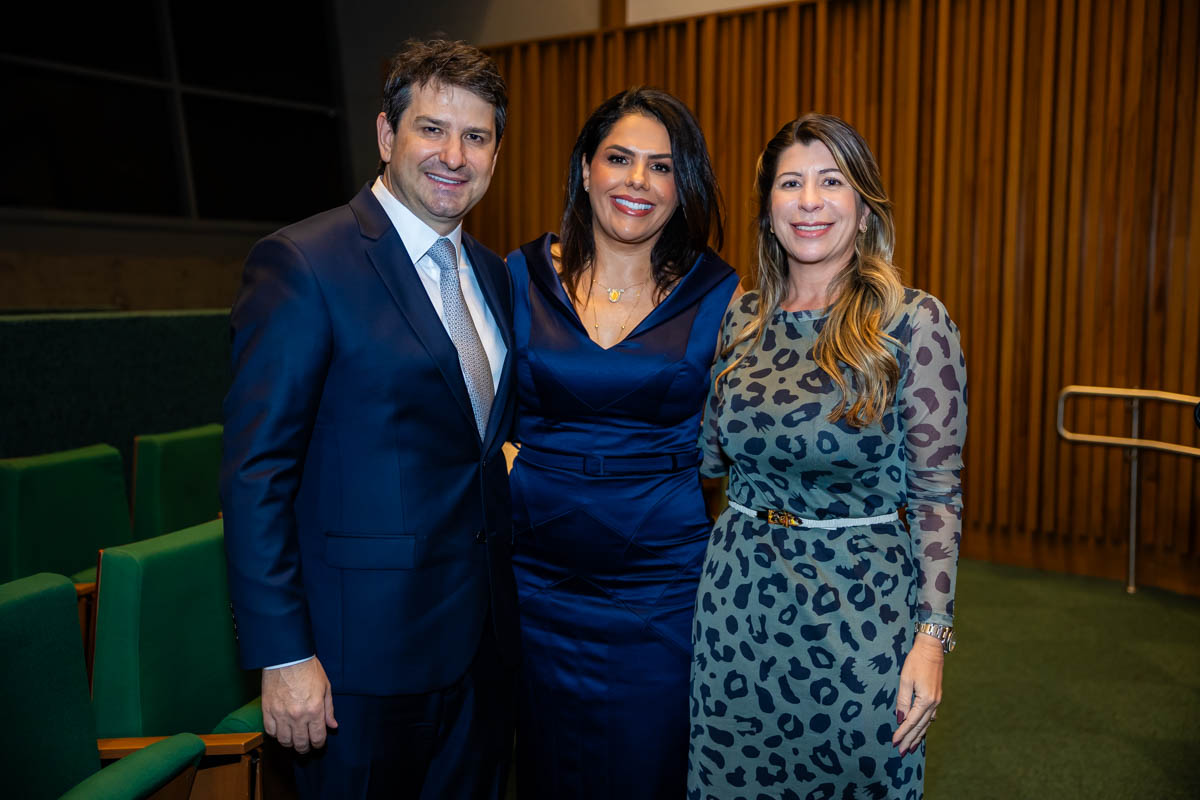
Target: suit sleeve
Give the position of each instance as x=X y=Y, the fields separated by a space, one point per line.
x=281 y=350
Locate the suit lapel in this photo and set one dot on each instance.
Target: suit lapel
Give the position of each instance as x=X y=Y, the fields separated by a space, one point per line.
x=390 y=259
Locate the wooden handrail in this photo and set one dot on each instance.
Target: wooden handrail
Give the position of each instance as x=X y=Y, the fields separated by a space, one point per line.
x=215 y=744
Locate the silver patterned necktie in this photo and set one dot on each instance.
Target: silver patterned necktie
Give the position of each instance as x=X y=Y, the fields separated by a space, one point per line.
x=471 y=355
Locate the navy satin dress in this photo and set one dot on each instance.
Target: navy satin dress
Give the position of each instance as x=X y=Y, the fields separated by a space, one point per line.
x=610 y=529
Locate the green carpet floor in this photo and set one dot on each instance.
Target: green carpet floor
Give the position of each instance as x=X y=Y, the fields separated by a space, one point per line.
x=1066 y=687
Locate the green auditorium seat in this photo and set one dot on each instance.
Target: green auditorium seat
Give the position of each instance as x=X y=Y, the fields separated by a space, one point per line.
x=57 y=510
x=175 y=480
x=162 y=623
x=50 y=744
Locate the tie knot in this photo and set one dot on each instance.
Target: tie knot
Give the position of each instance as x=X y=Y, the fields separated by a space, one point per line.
x=443 y=255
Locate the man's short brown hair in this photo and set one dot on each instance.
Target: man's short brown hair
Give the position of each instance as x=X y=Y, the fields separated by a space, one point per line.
x=450 y=63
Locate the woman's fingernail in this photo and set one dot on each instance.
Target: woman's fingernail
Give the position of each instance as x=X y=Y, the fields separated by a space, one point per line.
x=899 y=717
x=903 y=752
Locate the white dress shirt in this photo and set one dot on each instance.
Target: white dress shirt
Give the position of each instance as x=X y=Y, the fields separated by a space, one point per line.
x=418 y=238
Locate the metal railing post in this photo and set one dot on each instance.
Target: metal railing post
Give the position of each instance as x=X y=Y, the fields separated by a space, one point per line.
x=1131 y=578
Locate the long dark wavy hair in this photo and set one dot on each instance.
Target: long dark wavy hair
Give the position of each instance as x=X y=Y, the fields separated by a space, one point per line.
x=866 y=294
x=697 y=220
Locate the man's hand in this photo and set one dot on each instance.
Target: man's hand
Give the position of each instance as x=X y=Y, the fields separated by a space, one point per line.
x=297 y=705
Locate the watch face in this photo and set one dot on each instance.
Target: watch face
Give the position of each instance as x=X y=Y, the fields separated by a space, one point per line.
x=951 y=640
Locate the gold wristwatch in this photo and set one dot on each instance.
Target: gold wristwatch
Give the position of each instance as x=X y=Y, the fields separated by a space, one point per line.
x=943 y=633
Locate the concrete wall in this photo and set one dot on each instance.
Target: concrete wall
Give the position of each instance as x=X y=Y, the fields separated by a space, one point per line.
x=105 y=264
x=639 y=11
x=369 y=31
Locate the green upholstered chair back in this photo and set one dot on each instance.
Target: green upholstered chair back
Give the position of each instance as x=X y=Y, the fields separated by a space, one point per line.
x=175 y=480
x=58 y=509
x=50 y=736
x=166 y=655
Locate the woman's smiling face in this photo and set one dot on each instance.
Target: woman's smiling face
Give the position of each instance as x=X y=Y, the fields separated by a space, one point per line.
x=631 y=182
x=815 y=212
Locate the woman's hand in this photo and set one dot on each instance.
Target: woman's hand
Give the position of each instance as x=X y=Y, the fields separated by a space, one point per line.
x=920 y=692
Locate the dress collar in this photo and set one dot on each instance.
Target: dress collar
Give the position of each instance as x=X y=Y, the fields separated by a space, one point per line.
x=707 y=271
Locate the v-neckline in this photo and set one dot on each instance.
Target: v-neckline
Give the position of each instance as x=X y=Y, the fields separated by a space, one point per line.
x=705 y=272
x=583 y=323
x=561 y=294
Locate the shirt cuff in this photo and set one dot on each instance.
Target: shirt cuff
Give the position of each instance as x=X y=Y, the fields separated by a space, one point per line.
x=290 y=663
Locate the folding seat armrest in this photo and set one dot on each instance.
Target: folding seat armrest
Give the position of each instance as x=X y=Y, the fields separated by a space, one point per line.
x=166 y=764
x=215 y=744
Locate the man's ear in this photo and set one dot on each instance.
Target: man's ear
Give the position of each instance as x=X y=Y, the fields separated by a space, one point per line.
x=386 y=136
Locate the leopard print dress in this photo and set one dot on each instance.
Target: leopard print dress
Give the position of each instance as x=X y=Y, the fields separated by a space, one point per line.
x=800 y=633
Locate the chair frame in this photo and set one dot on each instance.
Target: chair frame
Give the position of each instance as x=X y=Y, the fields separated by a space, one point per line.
x=230 y=767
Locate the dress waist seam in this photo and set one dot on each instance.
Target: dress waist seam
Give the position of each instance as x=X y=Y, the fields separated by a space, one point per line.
x=599 y=465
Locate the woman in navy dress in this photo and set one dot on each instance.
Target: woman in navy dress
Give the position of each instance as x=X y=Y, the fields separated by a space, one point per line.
x=616 y=331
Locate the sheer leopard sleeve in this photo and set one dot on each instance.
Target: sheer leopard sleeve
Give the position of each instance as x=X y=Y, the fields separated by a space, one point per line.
x=933 y=412
x=713 y=463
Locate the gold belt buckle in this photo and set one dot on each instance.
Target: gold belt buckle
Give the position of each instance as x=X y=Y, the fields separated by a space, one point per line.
x=782 y=518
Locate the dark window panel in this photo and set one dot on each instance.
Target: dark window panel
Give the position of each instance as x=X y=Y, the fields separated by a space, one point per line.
x=119 y=37
x=272 y=49
x=263 y=163
x=80 y=144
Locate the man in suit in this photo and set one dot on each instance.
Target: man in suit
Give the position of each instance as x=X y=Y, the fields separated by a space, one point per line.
x=367 y=514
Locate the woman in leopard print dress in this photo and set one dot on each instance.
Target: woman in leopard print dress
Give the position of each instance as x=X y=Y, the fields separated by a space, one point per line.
x=839 y=396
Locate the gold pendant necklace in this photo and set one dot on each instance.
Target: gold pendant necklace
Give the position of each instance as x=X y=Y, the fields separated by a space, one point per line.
x=613 y=294
x=632 y=308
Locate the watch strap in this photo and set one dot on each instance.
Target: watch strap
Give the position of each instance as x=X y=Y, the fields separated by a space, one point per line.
x=943 y=633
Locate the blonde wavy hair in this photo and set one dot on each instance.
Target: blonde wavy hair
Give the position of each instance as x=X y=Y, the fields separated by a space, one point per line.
x=866 y=294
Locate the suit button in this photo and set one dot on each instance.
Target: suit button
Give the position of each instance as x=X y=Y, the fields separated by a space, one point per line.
x=480 y=537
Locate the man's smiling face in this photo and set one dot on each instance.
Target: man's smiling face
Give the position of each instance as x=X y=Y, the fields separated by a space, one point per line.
x=440 y=158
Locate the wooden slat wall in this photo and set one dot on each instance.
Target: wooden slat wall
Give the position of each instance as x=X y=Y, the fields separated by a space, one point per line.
x=1044 y=158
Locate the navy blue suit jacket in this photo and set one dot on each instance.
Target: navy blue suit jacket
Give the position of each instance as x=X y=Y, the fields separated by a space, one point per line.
x=364 y=519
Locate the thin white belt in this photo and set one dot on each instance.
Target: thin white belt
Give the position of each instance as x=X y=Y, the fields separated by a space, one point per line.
x=792 y=521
